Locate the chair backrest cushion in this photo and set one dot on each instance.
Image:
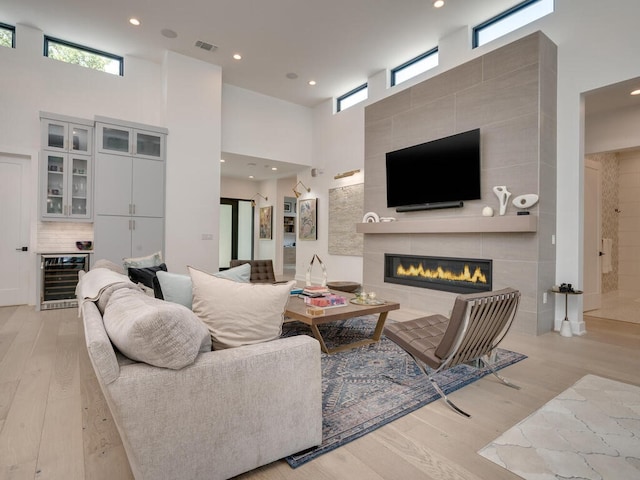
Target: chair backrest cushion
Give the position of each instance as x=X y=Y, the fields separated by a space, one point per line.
x=485 y=316
x=261 y=270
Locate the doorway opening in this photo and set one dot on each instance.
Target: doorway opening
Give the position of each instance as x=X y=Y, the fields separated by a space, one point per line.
x=236 y=231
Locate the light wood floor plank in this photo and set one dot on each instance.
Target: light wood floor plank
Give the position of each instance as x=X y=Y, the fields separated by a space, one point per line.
x=55 y=424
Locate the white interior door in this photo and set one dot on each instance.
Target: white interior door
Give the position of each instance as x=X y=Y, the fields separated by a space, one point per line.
x=592 y=236
x=14 y=229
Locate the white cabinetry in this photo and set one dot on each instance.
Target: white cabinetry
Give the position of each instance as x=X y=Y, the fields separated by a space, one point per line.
x=126 y=140
x=130 y=190
x=66 y=168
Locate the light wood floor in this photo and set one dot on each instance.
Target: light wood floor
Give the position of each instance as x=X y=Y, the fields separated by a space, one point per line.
x=54 y=423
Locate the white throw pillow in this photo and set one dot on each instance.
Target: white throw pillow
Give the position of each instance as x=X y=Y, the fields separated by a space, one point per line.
x=176 y=287
x=149 y=330
x=238 y=313
x=152 y=260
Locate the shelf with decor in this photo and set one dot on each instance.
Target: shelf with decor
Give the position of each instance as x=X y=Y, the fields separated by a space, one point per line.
x=505 y=224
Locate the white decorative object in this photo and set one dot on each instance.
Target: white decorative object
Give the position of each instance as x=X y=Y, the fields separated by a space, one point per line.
x=324 y=271
x=525 y=201
x=387 y=219
x=370 y=217
x=487 y=211
x=565 y=328
x=503 y=196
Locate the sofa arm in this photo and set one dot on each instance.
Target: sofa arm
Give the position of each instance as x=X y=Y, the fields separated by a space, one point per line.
x=229 y=412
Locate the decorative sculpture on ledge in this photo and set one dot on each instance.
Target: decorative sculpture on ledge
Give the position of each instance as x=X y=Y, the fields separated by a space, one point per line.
x=503 y=196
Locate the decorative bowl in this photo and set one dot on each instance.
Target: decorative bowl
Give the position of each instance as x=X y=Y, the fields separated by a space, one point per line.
x=84 y=245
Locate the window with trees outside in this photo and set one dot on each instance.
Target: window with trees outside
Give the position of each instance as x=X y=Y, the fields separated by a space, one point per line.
x=84 y=56
x=7 y=35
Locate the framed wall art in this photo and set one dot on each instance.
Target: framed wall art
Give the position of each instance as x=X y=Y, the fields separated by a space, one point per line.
x=266 y=224
x=307 y=219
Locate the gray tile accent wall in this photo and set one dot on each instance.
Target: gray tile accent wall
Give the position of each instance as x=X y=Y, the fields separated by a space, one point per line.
x=510 y=94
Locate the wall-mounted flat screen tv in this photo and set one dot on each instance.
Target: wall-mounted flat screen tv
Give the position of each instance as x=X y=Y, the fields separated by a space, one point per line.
x=441 y=171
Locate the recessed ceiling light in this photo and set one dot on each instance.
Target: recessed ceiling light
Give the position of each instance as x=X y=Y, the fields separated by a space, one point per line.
x=312 y=82
x=134 y=21
x=438 y=3
x=222 y=160
x=237 y=56
x=250 y=176
x=291 y=75
x=274 y=168
x=636 y=92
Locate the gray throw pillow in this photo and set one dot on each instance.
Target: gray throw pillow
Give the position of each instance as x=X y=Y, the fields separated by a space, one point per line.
x=153 y=331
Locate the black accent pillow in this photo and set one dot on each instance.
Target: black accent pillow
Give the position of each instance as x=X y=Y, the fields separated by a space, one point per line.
x=146 y=276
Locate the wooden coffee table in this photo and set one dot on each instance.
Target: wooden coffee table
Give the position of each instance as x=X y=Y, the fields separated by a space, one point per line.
x=297 y=310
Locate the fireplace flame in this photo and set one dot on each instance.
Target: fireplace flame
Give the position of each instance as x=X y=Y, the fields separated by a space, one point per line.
x=442 y=274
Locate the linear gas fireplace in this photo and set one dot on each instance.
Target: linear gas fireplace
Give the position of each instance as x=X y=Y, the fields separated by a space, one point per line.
x=459 y=275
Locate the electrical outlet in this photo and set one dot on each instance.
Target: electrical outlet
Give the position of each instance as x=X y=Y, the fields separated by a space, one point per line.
x=544 y=297
x=207 y=236
x=553 y=239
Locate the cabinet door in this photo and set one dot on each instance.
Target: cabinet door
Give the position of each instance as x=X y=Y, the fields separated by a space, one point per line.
x=147 y=236
x=148 y=188
x=113 y=185
x=79 y=187
x=80 y=139
x=148 y=145
x=54 y=184
x=67 y=137
x=55 y=135
x=114 y=139
x=112 y=237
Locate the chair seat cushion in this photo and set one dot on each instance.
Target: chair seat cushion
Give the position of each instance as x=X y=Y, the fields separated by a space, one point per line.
x=420 y=337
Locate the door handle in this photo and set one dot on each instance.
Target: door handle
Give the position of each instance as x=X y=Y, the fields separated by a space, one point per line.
x=22 y=249
x=600 y=254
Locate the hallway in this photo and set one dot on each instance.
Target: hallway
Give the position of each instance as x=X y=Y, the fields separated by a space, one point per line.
x=618 y=305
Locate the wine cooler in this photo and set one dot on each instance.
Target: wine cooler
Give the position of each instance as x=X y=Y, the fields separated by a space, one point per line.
x=58 y=279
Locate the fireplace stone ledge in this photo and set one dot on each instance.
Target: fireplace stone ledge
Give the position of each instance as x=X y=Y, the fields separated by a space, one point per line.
x=506 y=224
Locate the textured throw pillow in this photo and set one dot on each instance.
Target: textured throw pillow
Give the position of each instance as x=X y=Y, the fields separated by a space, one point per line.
x=238 y=313
x=177 y=288
x=153 y=331
x=152 y=260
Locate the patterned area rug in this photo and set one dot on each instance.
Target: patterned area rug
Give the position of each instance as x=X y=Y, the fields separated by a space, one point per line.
x=590 y=431
x=368 y=387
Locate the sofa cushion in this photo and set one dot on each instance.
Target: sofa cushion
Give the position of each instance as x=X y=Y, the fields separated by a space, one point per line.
x=176 y=287
x=154 y=331
x=238 y=313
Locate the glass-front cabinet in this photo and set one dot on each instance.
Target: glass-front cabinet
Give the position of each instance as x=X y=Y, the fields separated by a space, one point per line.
x=67 y=136
x=67 y=186
x=66 y=176
x=132 y=141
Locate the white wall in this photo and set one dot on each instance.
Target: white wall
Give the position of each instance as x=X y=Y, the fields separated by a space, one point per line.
x=266 y=127
x=612 y=131
x=598 y=47
x=192 y=108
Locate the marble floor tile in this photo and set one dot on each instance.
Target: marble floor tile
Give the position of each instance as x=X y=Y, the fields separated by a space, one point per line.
x=589 y=431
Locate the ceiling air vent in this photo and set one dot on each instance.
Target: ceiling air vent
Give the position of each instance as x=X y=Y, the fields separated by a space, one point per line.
x=206 y=46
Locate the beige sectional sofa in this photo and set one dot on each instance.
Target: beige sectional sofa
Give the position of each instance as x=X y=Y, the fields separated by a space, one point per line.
x=227 y=412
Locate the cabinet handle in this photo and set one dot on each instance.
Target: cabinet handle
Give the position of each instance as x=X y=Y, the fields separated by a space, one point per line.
x=130 y=225
x=129 y=209
x=134 y=209
x=134 y=224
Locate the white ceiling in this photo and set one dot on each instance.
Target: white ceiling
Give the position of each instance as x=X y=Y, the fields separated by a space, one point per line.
x=337 y=43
